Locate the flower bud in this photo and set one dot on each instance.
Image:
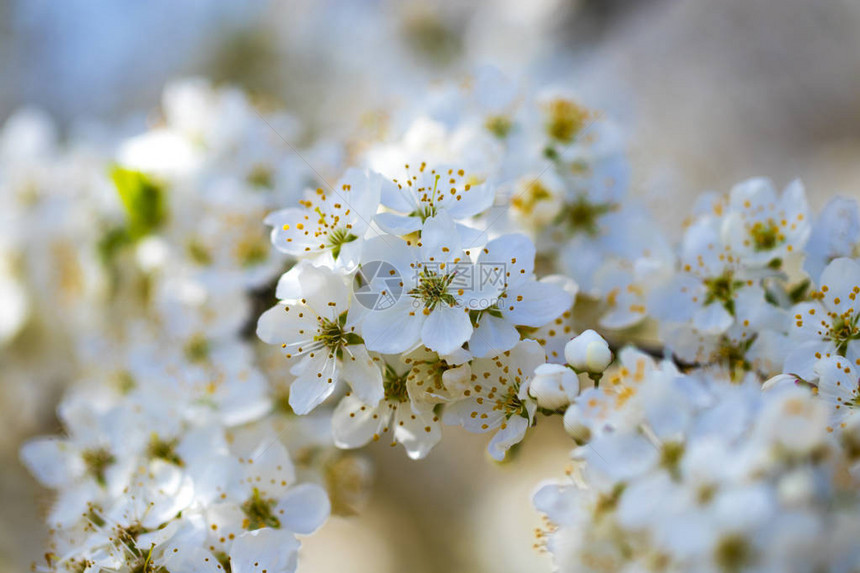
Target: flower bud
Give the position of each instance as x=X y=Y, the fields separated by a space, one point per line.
x=588 y=352
x=553 y=386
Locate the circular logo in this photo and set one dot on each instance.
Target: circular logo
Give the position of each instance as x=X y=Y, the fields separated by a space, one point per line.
x=378 y=285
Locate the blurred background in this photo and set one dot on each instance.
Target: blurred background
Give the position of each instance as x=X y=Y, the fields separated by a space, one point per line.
x=711 y=92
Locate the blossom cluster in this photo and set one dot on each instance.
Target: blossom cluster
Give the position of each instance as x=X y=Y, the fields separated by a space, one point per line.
x=757 y=293
x=689 y=472
x=179 y=451
x=453 y=269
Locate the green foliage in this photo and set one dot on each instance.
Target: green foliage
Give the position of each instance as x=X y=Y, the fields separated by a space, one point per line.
x=144 y=201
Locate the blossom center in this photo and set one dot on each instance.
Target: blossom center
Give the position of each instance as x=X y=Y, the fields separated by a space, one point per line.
x=432 y=289
x=160 y=449
x=337 y=238
x=582 y=216
x=511 y=404
x=331 y=333
x=394 y=385
x=565 y=119
x=261 y=176
x=97 y=462
x=722 y=289
x=424 y=212
x=498 y=125
x=259 y=512
x=534 y=193
x=765 y=236
x=843 y=330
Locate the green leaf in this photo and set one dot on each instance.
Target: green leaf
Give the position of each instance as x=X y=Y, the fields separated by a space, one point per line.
x=143 y=198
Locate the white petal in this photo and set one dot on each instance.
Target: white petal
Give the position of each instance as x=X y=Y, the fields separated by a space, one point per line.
x=712 y=319
x=621 y=456
x=527 y=355
x=227 y=519
x=270 y=469
x=446 y=329
x=834 y=234
x=52 y=461
x=73 y=502
x=271 y=550
x=535 y=303
x=514 y=252
x=392 y=250
x=354 y=424
x=477 y=199
x=802 y=358
x=674 y=300
x=294 y=231
x=278 y=325
x=362 y=374
x=393 y=330
x=323 y=289
x=473 y=416
x=360 y=198
x=289 y=286
x=557 y=502
x=304 y=508
x=471 y=237
x=838 y=283
x=397 y=199
x=512 y=432
x=835 y=384
x=418 y=432
x=315 y=384
x=752 y=194
x=493 y=336
x=190 y=560
x=440 y=241
x=397 y=225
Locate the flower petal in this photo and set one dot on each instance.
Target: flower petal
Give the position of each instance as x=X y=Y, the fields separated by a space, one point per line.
x=362 y=374
x=446 y=329
x=393 y=330
x=535 y=303
x=354 y=423
x=304 y=508
x=397 y=225
x=272 y=550
x=511 y=432
x=316 y=383
x=493 y=336
x=418 y=432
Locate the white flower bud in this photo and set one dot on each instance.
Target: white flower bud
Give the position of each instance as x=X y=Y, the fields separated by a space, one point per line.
x=553 y=386
x=588 y=352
